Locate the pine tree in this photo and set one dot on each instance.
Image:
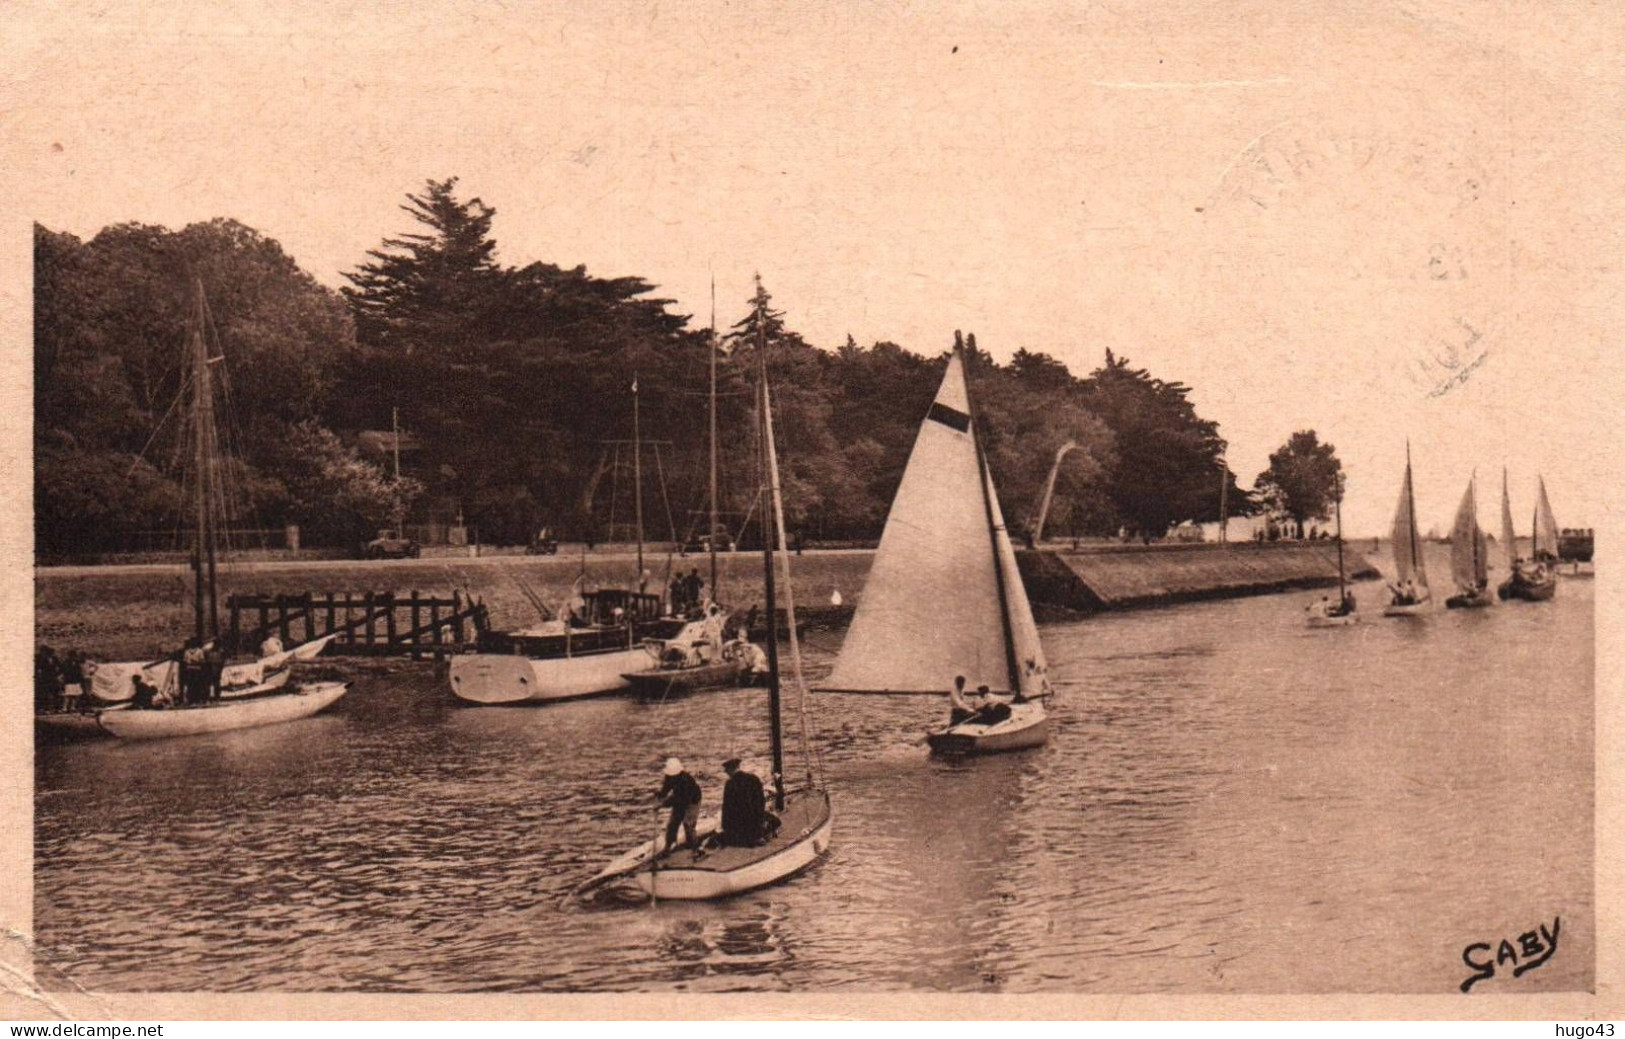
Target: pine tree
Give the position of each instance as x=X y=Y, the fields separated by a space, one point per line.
x=430 y=290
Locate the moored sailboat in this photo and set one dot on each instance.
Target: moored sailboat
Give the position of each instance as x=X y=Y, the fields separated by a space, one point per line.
x=804 y=816
x=585 y=649
x=1410 y=595
x=1533 y=579
x=256 y=689
x=1469 y=556
x=944 y=599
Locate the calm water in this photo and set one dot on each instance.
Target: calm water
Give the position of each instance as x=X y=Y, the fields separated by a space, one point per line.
x=1229 y=803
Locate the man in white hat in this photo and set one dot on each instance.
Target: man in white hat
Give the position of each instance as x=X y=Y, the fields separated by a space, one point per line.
x=681 y=794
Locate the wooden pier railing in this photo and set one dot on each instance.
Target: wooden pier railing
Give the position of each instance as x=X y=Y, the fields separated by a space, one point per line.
x=363 y=623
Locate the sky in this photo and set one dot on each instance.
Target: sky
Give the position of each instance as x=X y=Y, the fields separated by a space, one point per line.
x=1382 y=226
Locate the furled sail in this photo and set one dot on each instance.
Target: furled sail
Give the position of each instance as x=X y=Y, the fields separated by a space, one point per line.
x=930 y=607
x=1467 y=544
x=1545 y=526
x=1408 y=564
x=1509 y=537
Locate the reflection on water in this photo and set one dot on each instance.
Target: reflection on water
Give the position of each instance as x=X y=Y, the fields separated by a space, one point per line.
x=1229 y=802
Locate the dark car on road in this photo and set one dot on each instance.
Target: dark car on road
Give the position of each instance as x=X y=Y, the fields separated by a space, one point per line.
x=391 y=544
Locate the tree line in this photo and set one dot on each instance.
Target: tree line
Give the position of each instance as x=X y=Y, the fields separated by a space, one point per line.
x=512 y=379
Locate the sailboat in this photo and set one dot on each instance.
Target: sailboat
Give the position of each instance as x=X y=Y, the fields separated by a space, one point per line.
x=1410 y=588
x=943 y=598
x=698 y=657
x=804 y=815
x=1469 y=556
x=585 y=649
x=257 y=694
x=1533 y=579
x=1341 y=613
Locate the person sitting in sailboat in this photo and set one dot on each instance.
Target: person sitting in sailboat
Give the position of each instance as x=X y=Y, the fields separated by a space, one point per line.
x=744 y=807
x=1405 y=594
x=993 y=709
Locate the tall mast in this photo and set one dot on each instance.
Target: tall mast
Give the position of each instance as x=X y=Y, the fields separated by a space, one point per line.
x=1010 y=658
x=637 y=475
x=1410 y=504
x=1472 y=494
x=200 y=462
x=1342 y=587
x=1224 y=498
x=207 y=618
x=768 y=537
x=711 y=540
x=395 y=425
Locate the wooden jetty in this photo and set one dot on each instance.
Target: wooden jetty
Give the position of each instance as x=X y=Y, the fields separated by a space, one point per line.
x=361 y=623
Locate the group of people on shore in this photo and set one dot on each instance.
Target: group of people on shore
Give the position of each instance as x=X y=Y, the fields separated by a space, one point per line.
x=61 y=682
x=746 y=822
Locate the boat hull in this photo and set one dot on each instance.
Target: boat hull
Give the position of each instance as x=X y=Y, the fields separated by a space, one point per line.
x=682 y=875
x=70 y=726
x=1469 y=602
x=1025 y=728
x=1528 y=591
x=223 y=715
x=655 y=683
x=1413 y=609
x=1320 y=620
x=492 y=679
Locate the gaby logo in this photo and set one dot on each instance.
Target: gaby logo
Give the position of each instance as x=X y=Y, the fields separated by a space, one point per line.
x=1533 y=948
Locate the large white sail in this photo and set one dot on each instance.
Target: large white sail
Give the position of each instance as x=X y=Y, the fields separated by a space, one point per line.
x=930 y=607
x=1509 y=537
x=1408 y=564
x=1545 y=525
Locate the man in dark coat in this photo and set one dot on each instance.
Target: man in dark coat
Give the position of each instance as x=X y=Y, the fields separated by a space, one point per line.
x=744 y=807
x=681 y=794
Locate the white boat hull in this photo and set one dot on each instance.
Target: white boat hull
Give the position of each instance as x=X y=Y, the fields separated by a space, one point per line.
x=1415 y=609
x=222 y=716
x=1321 y=620
x=1026 y=727
x=804 y=837
x=499 y=678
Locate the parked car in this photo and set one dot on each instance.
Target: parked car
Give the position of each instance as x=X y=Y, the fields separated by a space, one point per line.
x=725 y=543
x=391 y=544
x=543 y=544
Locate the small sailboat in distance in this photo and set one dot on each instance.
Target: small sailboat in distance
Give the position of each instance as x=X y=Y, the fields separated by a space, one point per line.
x=1469 y=556
x=1410 y=594
x=944 y=599
x=1533 y=579
x=1341 y=613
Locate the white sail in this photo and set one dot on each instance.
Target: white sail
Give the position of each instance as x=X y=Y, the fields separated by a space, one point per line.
x=1032 y=677
x=1408 y=564
x=1467 y=544
x=1545 y=526
x=930 y=608
x=1509 y=537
